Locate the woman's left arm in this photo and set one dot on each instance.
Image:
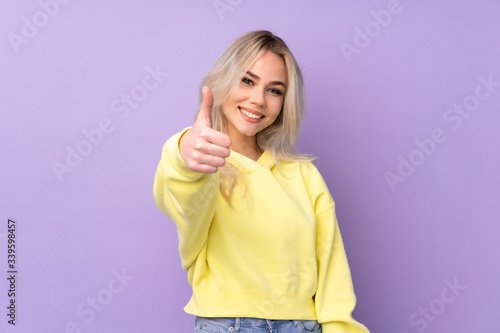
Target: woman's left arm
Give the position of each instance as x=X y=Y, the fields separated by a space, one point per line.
x=334 y=299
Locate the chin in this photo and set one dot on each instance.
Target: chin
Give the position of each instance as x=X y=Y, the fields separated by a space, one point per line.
x=251 y=132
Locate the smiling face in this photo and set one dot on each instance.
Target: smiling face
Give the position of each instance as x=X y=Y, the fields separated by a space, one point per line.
x=257 y=101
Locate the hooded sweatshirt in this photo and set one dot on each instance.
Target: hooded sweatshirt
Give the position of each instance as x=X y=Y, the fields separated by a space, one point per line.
x=277 y=253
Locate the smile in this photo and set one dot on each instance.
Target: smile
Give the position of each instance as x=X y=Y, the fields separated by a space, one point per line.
x=250 y=115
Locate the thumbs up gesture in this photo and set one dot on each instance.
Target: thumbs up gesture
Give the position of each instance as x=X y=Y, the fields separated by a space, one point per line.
x=202 y=148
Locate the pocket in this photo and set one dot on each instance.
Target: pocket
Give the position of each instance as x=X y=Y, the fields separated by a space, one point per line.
x=310 y=326
x=205 y=326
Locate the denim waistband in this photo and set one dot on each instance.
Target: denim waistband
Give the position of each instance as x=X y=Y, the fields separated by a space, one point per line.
x=238 y=322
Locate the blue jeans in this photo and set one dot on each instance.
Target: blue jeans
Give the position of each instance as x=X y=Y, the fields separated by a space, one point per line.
x=254 y=325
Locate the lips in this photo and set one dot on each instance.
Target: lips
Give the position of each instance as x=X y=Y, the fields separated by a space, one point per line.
x=252 y=114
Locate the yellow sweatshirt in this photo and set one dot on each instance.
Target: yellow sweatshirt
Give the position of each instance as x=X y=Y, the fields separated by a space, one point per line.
x=277 y=254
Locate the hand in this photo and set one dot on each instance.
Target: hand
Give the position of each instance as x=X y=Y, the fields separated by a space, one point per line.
x=203 y=148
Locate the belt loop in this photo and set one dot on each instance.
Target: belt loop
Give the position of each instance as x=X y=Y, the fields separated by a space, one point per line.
x=269 y=325
x=237 y=324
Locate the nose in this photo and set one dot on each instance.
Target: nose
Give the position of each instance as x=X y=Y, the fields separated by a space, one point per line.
x=258 y=97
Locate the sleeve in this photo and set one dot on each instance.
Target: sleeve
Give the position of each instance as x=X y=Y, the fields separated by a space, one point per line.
x=334 y=299
x=187 y=197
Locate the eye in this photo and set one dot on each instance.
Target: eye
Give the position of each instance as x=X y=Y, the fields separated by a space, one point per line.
x=276 y=91
x=247 y=81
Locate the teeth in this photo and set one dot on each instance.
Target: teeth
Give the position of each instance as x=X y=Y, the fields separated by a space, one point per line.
x=250 y=115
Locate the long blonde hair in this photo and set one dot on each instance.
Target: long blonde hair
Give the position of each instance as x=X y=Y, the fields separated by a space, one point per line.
x=280 y=137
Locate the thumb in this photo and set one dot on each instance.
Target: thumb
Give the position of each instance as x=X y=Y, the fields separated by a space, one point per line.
x=205 y=114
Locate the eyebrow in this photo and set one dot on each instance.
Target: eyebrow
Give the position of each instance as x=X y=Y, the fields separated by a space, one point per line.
x=272 y=82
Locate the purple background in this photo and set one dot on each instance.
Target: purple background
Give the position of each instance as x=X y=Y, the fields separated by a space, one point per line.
x=405 y=245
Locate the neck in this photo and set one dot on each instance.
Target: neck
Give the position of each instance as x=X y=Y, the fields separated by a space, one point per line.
x=253 y=154
x=246 y=146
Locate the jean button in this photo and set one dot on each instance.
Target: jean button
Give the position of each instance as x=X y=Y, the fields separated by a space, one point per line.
x=231 y=329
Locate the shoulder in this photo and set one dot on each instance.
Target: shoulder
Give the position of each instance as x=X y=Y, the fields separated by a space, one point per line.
x=311 y=173
x=316 y=186
x=306 y=169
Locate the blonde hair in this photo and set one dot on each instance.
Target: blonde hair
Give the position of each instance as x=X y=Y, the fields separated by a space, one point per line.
x=280 y=137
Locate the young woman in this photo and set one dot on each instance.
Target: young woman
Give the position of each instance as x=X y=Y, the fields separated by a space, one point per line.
x=257 y=229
